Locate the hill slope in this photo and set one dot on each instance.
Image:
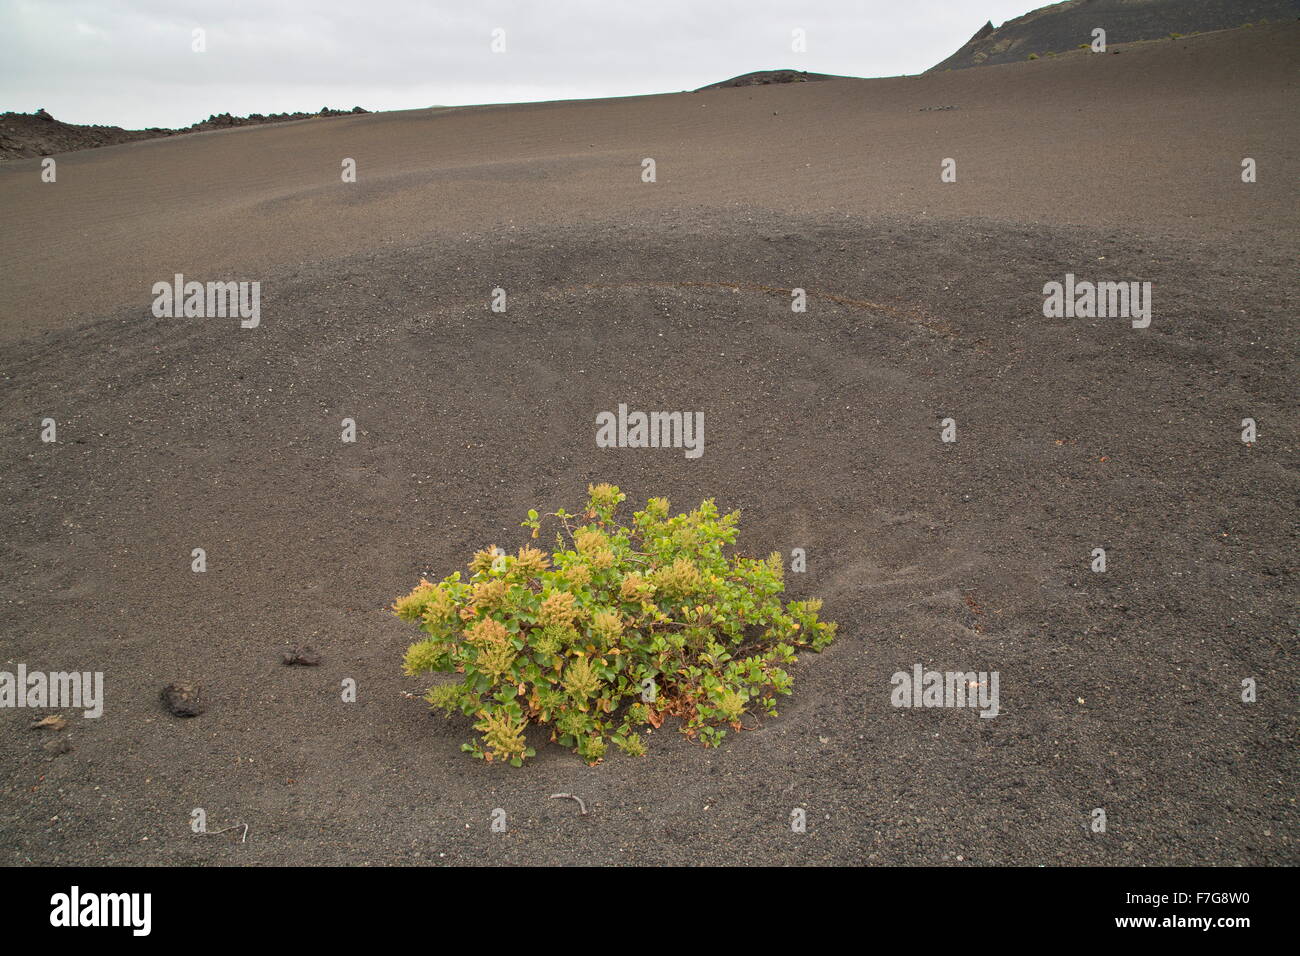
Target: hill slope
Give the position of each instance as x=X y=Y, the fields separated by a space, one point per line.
x=1064 y=26
x=767 y=78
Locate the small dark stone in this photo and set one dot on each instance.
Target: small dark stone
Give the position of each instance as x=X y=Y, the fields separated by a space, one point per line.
x=184 y=700
x=59 y=745
x=304 y=655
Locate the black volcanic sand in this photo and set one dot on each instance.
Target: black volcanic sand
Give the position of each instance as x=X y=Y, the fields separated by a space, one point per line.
x=1119 y=690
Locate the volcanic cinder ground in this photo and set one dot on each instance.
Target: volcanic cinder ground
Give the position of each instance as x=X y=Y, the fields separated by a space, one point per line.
x=1119 y=690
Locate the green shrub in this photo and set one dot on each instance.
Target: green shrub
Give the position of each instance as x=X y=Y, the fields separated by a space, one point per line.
x=620 y=626
x=1033 y=56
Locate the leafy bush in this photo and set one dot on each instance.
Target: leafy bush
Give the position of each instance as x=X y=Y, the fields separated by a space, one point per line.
x=618 y=627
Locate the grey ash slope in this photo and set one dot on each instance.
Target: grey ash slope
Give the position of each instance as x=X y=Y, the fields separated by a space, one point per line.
x=1118 y=690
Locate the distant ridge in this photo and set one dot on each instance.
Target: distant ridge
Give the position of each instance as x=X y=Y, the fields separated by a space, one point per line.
x=768 y=77
x=23 y=135
x=1062 y=27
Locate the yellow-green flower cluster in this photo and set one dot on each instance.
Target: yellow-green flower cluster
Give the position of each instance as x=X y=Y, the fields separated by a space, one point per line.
x=604 y=497
x=635 y=588
x=679 y=579
x=424 y=656
x=445 y=696
x=606 y=627
x=631 y=745
x=558 y=608
x=490 y=595
x=578 y=575
x=484 y=560
x=595 y=548
x=410 y=607
x=581 y=680
x=503 y=734
x=551 y=640
x=531 y=562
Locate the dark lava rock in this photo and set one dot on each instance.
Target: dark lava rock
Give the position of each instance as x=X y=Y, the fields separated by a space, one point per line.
x=40 y=134
x=304 y=655
x=184 y=700
x=767 y=78
x=1064 y=27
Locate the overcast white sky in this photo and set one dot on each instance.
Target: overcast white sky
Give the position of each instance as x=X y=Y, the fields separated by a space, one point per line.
x=130 y=63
